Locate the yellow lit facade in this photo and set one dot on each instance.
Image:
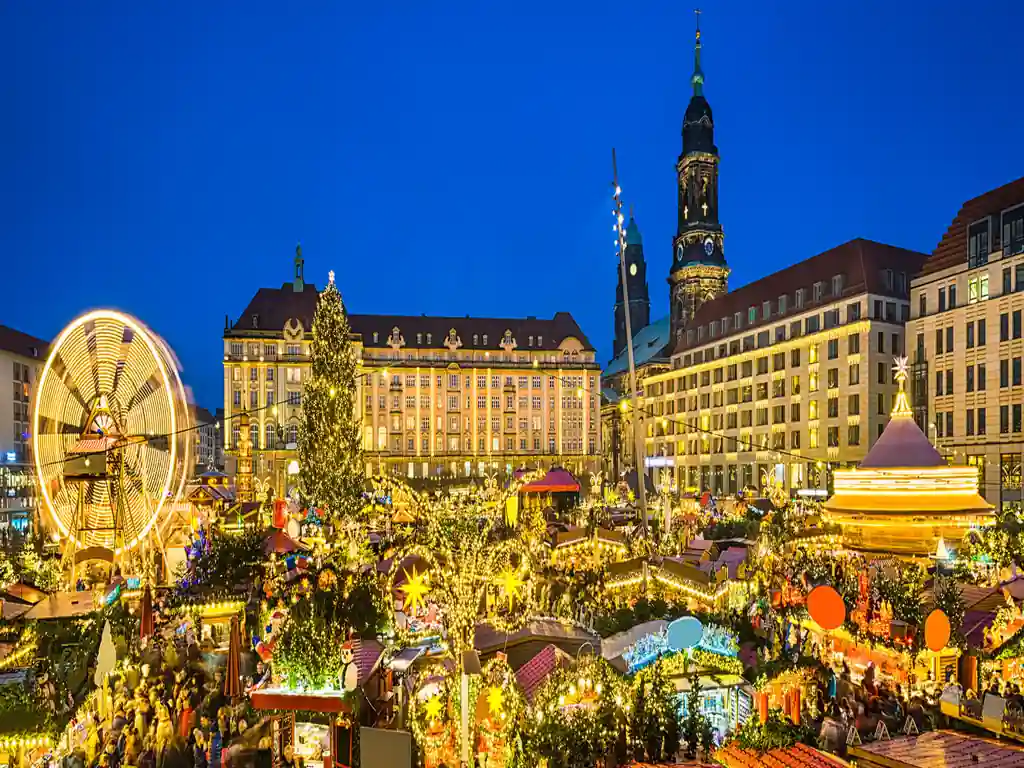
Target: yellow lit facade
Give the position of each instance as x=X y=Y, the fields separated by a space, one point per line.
x=439 y=398
x=788 y=376
x=965 y=340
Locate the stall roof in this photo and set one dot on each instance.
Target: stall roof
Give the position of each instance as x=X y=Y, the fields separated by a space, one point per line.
x=557 y=480
x=797 y=756
x=939 y=748
x=539 y=668
x=62 y=605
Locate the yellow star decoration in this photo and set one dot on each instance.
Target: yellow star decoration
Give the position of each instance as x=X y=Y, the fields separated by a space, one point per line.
x=415 y=589
x=511 y=584
x=433 y=707
x=494 y=699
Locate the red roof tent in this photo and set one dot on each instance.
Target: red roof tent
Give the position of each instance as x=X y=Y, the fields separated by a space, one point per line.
x=557 y=480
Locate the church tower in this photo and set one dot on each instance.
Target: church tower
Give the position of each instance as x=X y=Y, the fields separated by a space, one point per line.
x=636 y=279
x=699 y=271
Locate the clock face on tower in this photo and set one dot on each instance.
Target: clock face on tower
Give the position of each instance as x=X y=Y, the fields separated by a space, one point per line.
x=709 y=246
x=632 y=268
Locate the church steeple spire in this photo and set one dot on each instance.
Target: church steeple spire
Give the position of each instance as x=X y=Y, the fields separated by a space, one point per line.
x=699 y=271
x=698 y=74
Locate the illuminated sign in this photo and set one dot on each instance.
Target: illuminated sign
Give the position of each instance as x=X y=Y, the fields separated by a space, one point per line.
x=659 y=461
x=11 y=456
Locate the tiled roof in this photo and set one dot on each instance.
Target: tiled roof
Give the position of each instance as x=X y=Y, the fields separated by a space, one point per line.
x=860 y=261
x=366 y=654
x=941 y=748
x=649 y=343
x=19 y=343
x=536 y=670
x=273 y=307
x=952 y=248
x=797 y=756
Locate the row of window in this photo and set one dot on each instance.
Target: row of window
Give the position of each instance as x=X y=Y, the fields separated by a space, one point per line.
x=776 y=441
x=889 y=311
x=977 y=290
x=254 y=350
x=974 y=421
x=1003 y=232
x=455 y=444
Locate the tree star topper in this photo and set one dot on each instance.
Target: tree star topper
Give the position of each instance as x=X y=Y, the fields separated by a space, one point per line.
x=330 y=276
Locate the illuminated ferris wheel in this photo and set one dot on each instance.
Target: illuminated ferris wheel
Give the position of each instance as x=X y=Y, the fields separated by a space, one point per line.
x=110 y=436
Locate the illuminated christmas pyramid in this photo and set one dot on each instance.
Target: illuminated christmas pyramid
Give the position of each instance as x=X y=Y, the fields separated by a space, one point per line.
x=904 y=497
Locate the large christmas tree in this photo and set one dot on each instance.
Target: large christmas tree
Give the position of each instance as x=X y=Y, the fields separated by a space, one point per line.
x=330 y=454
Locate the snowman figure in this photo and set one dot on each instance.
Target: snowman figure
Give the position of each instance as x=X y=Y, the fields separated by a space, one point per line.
x=349 y=672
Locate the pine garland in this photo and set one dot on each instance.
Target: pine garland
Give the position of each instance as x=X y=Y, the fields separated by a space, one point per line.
x=330 y=452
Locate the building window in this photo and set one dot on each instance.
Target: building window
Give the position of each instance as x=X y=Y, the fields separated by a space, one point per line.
x=969 y=386
x=833 y=407
x=833 y=437
x=853 y=434
x=833 y=349
x=981 y=332
x=1016 y=324
x=980 y=378
x=977 y=245
x=1013 y=232
x=970 y=335
x=977 y=289
x=981 y=421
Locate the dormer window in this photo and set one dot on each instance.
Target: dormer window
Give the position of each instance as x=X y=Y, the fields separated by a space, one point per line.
x=700 y=333
x=714 y=328
x=540 y=341
x=837 y=285
x=374 y=337
x=485 y=339
x=977 y=244
x=752 y=315
x=819 y=289
x=531 y=341
x=782 y=304
x=737 y=320
x=476 y=338
x=428 y=338
x=725 y=325
x=419 y=338
x=766 y=310
x=887 y=279
x=689 y=336
x=798 y=299
x=255 y=321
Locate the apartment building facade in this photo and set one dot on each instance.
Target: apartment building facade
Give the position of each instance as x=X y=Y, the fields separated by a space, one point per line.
x=21 y=359
x=439 y=397
x=966 y=338
x=789 y=376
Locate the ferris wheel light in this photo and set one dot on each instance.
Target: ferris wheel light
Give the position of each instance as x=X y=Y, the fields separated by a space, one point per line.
x=118 y=380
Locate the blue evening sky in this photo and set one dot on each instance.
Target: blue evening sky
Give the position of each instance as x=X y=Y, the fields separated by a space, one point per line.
x=454 y=157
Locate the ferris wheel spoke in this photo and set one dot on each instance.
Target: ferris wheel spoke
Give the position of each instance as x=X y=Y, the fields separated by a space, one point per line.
x=64 y=379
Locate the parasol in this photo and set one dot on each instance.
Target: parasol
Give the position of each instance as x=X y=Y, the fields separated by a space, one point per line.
x=233 y=673
x=146 y=617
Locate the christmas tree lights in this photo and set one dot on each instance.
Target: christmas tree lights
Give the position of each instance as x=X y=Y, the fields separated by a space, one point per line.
x=330 y=453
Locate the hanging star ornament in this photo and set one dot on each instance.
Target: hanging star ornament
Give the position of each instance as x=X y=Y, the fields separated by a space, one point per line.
x=415 y=590
x=330 y=276
x=433 y=707
x=494 y=699
x=511 y=584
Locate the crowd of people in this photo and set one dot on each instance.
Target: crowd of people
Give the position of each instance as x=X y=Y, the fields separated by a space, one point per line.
x=172 y=710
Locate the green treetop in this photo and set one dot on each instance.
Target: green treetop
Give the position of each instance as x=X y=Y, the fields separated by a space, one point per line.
x=330 y=454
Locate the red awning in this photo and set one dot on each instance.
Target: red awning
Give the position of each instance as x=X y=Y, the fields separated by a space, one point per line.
x=555 y=481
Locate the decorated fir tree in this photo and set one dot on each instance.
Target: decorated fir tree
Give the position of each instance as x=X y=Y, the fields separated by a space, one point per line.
x=330 y=455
